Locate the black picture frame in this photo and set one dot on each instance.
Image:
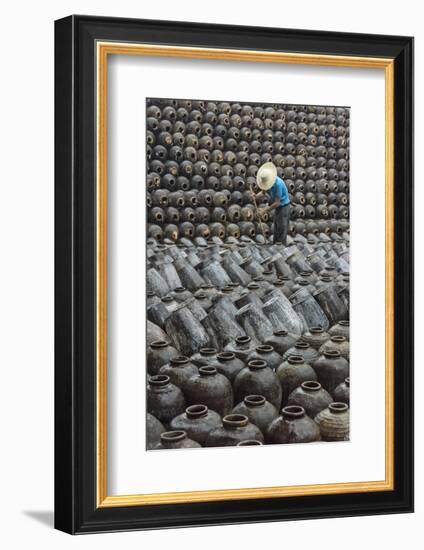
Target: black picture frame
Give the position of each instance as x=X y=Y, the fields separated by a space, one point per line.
x=76 y=510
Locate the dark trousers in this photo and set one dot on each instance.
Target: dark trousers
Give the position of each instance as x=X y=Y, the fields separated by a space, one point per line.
x=281 y=224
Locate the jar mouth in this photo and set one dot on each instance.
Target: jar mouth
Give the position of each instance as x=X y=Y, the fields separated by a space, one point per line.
x=235 y=420
x=295 y=359
x=305 y=273
x=253 y=286
x=293 y=411
x=208 y=351
x=196 y=411
x=200 y=296
x=344 y=323
x=265 y=348
x=167 y=298
x=254 y=400
x=338 y=407
x=226 y=356
x=256 y=364
x=150 y=293
x=159 y=380
x=310 y=385
x=227 y=289
x=347 y=381
x=243 y=339
x=249 y=443
x=316 y=330
x=338 y=339
x=172 y=436
x=207 y=371
x=179 y=360
x=205 y=287
x=301 y=345
x=280 y=332
x=303 y=282
x=279 y=282
x=332 y=353
x=159 y=344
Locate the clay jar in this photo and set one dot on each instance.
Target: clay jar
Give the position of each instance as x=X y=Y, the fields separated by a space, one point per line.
x=210 y=388
x=342 y=392
x=281 y=341
x=331 y=369
x=158 y=354
x=235 y=428
x=205 y=356
x=228 y=364
x=241 y=347
x=176 y=439
x=338 y=343
x=197 y=421
x=153 y=430
x=333 y=422
x=258 y=410
x=316 y=337
x=179 y=369
x=266 y=353
x=303 y=349
x=259 y=379
x=340 y=329
x=311 y=396
x=292 y=426
x=292 y=373
x=164 y=400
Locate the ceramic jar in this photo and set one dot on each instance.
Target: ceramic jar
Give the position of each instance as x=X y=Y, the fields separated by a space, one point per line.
x=258 y=410
x=235 y=428
x=315 y=337
x=210 y=388
x=281 y=341
x=258 y=379
x=164 y=399
x=205 y=356
x=292 y=373
x=159 y=353
x=338 y=343
x=153 y=430
x=242 y=346
x=311 y=396
x=197 y=421
x=331 y=369
x=292 y=426
x=340 y=329
x=266 y=352
x=333 y=422
x=176 y=439
x=228 y=364
x=342 y=392
x=179 y=369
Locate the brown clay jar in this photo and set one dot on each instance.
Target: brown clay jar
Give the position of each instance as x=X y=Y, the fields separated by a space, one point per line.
x=292 y=426
x=331 y=369
x=333 y=422
x=197 y=421
x=179 y=369
x=164 y=399
x=210 y=388
x=311 y=396
x=292 y=373
x=159 y=353
x=235 y=428
x=258 y=410
x=176 y=439
x=259 y=379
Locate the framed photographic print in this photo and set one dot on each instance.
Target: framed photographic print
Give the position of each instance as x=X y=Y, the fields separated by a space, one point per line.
x=234 y=269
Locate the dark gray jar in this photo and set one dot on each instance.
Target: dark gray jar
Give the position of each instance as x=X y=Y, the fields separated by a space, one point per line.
x=303 y=349
x=210 y=388
x=315 y=337
x=311 y=396
x=153 y=430
x=228 y=364
x=235 y=428
x=258 y=379
x=340 y=329
x=159 y=353
x=258 y=410
x=292 y=373
x=179 y=369
x=265 y=352
x=331 y=369
x=292 y=426
x=282 y=340
x=197 y=421
x=333 y=422
x=176 y=439
x=164 y=400
x=342 y=392
x=241 y=347
x=205 y=356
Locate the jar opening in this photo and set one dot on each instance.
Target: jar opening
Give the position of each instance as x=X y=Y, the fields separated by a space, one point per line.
x=295 y=359
x=338 y=339
x=338 y=407
x=332 y=353
x=243 y=339
x=280 y=333
x=293 y=411
x=254 y=400
x=226 y=356
x=207 y=371
x=265 y=348
x=179 y=360
x=256 y=364
x=301 y=345
x=208 y=351
x=196 y=411
x=159 y=344
x=316 y=330
x=159 y=380
x=344 y=323
x=310 y=385
x=248 y=443
x=347 y=382
x=235 y=420
x=174 y=435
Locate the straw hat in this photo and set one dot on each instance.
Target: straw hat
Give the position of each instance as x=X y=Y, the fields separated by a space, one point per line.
x=266 y=175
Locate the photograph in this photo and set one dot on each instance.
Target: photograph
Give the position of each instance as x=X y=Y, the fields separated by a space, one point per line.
x=247 y=273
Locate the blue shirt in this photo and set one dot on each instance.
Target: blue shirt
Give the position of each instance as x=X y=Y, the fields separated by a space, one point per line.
x=279 y=191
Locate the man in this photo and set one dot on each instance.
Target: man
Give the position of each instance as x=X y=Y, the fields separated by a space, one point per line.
x=269 y=182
